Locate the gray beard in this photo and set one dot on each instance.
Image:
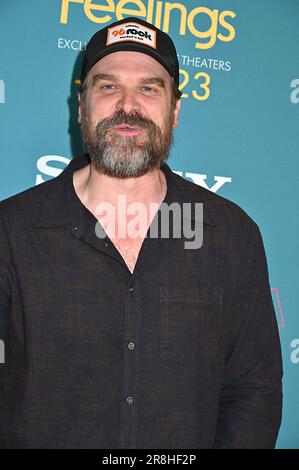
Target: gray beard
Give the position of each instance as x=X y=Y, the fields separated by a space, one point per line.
x=122 y=156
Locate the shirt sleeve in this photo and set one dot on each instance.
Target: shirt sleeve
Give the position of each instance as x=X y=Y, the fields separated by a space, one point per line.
x=250 y=406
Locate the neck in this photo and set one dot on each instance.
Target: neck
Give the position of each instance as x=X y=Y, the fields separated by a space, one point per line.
x=93 y=187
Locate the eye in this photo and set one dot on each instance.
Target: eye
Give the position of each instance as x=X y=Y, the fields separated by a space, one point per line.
x=108 y=86
x=148 y=89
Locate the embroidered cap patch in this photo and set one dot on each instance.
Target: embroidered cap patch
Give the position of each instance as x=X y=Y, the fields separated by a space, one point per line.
x=131 y=32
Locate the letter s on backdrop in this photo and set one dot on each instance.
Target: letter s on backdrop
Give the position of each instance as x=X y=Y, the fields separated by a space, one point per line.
x=44 y=168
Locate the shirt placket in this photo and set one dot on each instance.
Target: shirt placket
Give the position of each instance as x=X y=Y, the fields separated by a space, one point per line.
x=131 y=336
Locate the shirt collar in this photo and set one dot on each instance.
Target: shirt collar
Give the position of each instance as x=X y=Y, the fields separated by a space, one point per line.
x=62 y=205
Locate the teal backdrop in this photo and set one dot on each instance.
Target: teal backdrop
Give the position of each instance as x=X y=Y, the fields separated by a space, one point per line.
x=239 y=124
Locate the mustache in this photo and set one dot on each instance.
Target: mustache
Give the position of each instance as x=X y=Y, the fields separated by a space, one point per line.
x=122 y=118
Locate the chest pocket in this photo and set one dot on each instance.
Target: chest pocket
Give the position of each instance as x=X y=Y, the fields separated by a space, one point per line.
x=190 y=325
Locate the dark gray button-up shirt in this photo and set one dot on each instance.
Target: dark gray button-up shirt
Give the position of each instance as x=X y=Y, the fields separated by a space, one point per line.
x=182 y=353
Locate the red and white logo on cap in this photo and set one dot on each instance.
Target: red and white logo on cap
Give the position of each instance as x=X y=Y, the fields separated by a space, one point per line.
x=131 y=32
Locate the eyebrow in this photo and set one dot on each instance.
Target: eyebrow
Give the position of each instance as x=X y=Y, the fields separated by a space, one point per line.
x=153 y=80
x=145 y=81
x=104 y=76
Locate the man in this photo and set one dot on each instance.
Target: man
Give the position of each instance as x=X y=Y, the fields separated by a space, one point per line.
x=117 y=335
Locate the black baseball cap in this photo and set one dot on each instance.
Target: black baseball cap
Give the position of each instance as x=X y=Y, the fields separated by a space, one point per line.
x=132 y=34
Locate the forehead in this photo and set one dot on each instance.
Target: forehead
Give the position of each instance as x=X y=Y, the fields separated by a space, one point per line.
x=129 y=63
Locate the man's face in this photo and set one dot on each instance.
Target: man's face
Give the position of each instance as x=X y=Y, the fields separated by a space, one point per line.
x=127 y=115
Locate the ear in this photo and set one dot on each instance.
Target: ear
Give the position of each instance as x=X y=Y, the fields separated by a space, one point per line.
x=79 y=108
x=176 y=114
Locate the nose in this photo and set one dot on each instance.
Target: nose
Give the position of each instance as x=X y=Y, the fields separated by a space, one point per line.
x=128 y=102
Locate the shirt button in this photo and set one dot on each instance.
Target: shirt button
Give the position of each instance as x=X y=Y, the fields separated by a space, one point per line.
x=131 y=289
x=130 y=400
x=131 y=345
x=76 y=231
